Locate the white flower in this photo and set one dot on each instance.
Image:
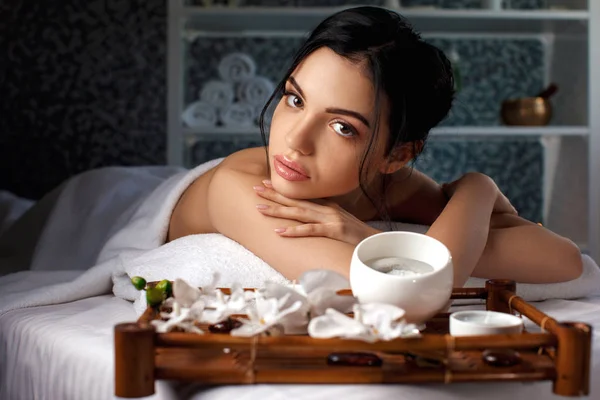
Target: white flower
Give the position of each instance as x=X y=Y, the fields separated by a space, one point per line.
x=221 y=306
x=180 y=318
x=184 y=293
x=371 y=322
x=317 y=292
x=265 y=315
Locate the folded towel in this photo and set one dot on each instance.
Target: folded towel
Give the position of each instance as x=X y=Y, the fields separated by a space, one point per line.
x=255 y=91
x=237 y=115
x=236 y=67
x=101 y=218
x=218 y=93
x=200 y=114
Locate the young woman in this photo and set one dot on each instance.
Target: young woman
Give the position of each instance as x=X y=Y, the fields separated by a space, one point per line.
x=355 y=107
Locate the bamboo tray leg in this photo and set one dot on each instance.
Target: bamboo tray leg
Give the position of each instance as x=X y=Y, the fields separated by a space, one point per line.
x=494 y=301
x=573 y=359
x=134 y=360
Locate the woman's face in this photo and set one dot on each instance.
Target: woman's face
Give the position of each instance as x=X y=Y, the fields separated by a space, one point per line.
x=322 y=127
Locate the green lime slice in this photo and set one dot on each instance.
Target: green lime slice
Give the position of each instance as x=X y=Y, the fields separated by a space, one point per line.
x=138 y=282
x=165 y=286
x=154 y=296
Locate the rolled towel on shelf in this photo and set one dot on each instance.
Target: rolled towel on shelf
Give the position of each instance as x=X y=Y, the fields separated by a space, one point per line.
x=200 y=114
x=237 y=115
x=255 y=91
x=218 y=93
x=237 y=67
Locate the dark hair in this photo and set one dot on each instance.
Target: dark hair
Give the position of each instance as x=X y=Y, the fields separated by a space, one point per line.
x=415 y=76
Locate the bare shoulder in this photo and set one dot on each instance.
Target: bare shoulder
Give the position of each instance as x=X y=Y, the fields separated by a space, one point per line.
x=252 y=161
x=191 y=215
x=415 y=197
x=232 y=210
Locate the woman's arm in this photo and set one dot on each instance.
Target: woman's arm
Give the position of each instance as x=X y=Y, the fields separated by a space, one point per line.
x=232 y=211
x=528 y=253
x=497 y=245
x=463 y=225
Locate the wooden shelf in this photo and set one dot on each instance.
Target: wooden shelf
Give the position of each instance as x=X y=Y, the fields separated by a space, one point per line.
x=442 y=131
x=302 y=19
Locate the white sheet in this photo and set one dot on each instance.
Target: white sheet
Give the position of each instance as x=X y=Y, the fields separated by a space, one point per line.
x=65 y=352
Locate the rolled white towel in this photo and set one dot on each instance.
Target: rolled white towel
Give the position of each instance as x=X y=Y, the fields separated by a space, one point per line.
x=218 y=93
x=255 y=91
x=237 y=114
x=200 y=114
x=237 y=67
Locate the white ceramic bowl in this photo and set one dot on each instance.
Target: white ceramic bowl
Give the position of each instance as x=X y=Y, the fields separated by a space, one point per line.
x=479 y=322
x=421 y=296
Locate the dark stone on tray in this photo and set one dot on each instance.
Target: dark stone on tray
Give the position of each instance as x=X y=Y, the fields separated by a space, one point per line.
x=354 y=360
x=225 y=326
x=501 y=358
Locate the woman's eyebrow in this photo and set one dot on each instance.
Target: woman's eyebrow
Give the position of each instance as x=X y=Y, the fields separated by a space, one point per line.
x=332 y=110
x=349 y=113
x=296 y=86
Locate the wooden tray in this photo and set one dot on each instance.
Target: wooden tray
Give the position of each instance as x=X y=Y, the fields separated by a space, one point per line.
x=561 y=353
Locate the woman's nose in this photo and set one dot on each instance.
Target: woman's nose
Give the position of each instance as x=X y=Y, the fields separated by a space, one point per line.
x=300 y=137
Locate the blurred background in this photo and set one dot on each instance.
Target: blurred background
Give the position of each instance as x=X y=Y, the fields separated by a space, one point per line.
x=130 y=82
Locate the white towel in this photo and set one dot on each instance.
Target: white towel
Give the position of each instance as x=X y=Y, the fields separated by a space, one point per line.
x=195 y=258
x=122 y=216
x=101 y=219
x=255 y=91
x=236 y=67
x=200 y=114
x=237 y=115
x=218 y=93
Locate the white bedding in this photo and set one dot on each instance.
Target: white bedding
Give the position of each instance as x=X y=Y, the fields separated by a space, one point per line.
x=65 y=352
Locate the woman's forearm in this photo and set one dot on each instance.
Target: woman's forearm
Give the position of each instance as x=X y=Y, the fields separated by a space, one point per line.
x=526 y=252
x=464 y=224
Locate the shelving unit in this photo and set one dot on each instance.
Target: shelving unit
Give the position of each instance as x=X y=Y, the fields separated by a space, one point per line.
x=574 y=64
x=559 y=131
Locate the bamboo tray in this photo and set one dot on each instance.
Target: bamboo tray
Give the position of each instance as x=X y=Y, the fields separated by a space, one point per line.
x=561 y=354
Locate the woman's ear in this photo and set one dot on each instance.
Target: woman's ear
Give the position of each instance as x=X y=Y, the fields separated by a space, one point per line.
x=400 y=156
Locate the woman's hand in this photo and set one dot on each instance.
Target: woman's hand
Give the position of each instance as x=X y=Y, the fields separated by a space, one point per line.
x=322 y=219
x=502 y=204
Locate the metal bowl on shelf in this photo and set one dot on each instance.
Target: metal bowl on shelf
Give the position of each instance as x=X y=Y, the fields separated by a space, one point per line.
x=526 y=111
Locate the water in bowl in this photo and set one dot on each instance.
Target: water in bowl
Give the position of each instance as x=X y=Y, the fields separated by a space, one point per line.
x=399 y=266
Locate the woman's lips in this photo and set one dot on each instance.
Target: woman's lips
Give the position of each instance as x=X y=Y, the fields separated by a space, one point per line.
x=289 y=170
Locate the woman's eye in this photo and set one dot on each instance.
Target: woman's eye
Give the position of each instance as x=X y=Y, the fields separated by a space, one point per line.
x=294 y=101
x=343 y=129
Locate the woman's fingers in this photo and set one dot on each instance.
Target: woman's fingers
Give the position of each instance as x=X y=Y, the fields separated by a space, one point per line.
x=272 y=195
x=287 y=212
x=306 y=230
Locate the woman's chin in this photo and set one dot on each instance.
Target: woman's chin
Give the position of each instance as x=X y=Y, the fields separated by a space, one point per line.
x=299 y=190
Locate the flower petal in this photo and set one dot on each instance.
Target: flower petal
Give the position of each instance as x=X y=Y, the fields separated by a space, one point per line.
x=310 y=280
x=278 y=291
x=335 y=324
x=373 y=312
x=184 y=293
x=323 y=298
x=212 y=286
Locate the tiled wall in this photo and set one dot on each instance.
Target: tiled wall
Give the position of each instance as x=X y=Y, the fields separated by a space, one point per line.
x=86 y=88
